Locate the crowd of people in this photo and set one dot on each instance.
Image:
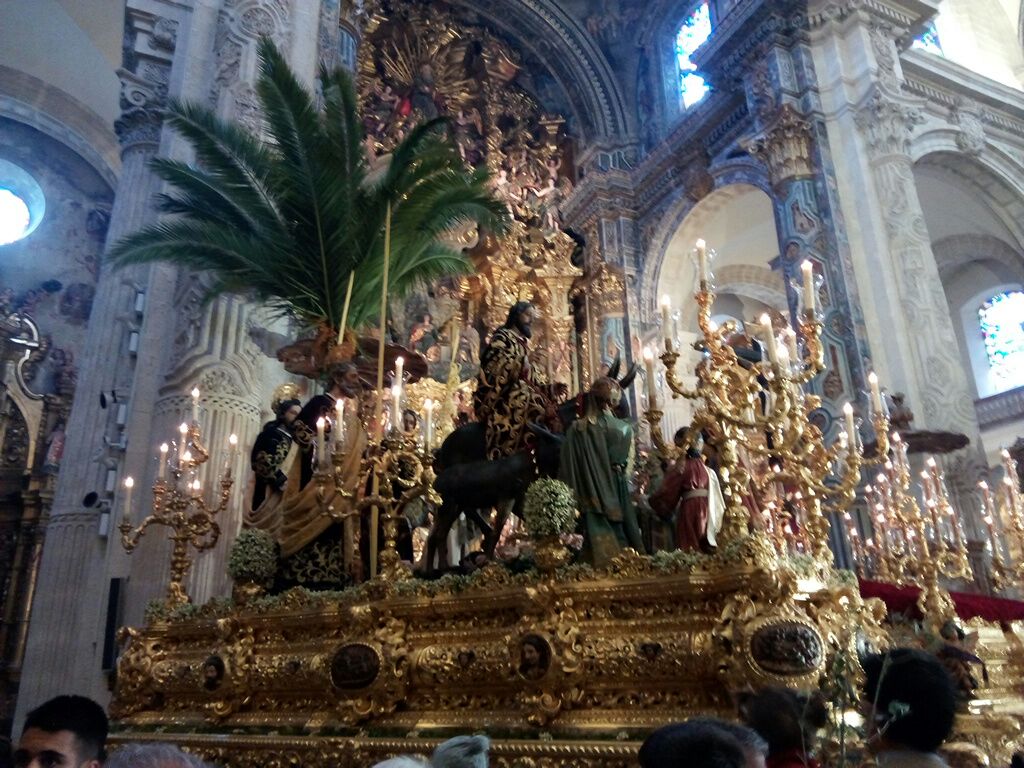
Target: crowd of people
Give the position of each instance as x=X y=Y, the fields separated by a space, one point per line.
x=908 y=705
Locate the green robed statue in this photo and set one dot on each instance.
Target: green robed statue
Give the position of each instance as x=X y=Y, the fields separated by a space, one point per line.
x=597 y=458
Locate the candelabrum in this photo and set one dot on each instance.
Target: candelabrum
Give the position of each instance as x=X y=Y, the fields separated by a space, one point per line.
x=179 y=504
x=377 y=480
x=777 y=474
x=1004 y=520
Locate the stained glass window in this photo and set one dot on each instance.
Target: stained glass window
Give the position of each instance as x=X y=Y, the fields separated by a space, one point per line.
x=929 y=40
x=1002 y=325
x=692 y=34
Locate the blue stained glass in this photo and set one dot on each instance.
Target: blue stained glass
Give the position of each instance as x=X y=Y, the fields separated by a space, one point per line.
x=1002 y=326
x=692 y=34
x=929 y=40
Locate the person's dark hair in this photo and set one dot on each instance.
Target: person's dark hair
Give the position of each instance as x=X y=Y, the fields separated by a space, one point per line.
x=918 y=680
x=517 y=309
x=701 y=743
x=284 y=405
x=78 y=714
x=786 y=719
x=749 y=739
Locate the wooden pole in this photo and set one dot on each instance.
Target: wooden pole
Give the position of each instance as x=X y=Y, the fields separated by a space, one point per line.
x=344 y=311
x=379 y=426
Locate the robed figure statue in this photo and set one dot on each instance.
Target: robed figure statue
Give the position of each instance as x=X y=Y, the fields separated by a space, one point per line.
x=691 y=491
x=597 y=462
x=270 y=451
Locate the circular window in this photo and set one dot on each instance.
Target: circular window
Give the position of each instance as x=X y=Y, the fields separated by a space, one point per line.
x=21 y=203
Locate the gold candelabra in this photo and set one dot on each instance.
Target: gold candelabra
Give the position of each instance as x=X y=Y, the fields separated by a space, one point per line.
x=757 y=415
x=179 y=504
x=1004 y=521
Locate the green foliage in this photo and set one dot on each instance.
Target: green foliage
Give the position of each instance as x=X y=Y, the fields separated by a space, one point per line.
x=289 y=219
x=549 y=508
x=253 y=557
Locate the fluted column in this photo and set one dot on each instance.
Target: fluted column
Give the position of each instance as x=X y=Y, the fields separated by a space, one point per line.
x=65 y=635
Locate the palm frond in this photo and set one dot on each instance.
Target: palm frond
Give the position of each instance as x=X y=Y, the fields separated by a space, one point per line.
x=289 y=219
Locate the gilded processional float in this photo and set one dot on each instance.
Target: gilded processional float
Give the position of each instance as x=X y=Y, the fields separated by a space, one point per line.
x=334 y=651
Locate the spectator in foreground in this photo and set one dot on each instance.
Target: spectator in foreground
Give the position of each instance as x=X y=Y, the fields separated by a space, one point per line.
x=404 y=761
x=65 y=731
x=703 y=743
x=788 y=721
x=462 y=752
x=152 y=756
x=910 y=701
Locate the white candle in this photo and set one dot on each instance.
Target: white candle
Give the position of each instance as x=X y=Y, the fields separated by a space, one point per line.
x=232 y=448
x=702 y=261
x=399 y=370
x=794 y=352
x=196 y=485
x=851 y=428
x=876 y=396
x=321 y=425
x=129 y=483
x=652 y=401
x=428 y=424
x=666 y=321
x=396 y=406
x=195 y=405
x=161 y=469
x=183 y=439
x=809 y=292
x=769 y=340
x=338 y=433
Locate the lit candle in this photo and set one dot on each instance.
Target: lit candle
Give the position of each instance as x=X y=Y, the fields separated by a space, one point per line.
x=809 y=292
x=770 y=341
x=666 y=321
x=196 y=485
x=129 y=483
x=702 y=262
x=183 y=440
x=399 y=370
x=161 y=469
x=876 y=396
x=232 y=449
x=428 y=424
x=652 y=401
x=321 y=448
x=396 y=406
x=851 y=428
x=990 y=523
x=195 y=405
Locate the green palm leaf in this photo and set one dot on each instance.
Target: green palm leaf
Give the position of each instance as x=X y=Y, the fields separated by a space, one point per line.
x=288 y=220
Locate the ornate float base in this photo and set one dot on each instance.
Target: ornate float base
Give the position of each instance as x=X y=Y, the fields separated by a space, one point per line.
x=572 y=668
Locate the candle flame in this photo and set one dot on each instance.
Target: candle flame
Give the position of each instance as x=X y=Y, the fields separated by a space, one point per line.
x=930 y=462
x=195 y=393
x=872 y=378
x=129 y=482
x=183 y=428
x=648 y=354
x=187 y=456
x=983 y=485
x=666 y=301
x=164 y=447
x=700 y=243
x=321 y=423
x=233 y=439
x=848 y=409
x=196 y=485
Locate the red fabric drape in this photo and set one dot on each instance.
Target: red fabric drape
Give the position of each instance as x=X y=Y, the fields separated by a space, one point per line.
x=904 y=600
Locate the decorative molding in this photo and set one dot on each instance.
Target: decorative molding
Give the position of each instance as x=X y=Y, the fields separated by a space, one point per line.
x=785 y=146
x=970 y=118
x=887 y=123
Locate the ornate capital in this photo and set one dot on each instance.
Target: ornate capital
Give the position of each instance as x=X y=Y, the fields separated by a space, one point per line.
x=148 y=49
x=887 y=123
x=785 y=146
x=142 y=102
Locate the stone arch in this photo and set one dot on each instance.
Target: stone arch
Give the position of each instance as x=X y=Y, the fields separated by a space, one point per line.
x=958 y=251
x=572 y=56
x=755 y=282
x=682 y=210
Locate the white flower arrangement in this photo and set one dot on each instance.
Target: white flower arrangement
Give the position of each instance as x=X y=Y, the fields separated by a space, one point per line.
x=549 y=509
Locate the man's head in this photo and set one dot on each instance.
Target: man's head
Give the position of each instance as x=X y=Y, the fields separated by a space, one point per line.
x=153 y=756
x=786 y=719
x=288 y=410
x=65 y=732
x=521 y=318
x=703 y=743
x=910 y=700
x=607 y=392
x=462 y=752
x=344 y=379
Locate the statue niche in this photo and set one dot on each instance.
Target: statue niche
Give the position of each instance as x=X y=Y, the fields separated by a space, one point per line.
x=418 y=63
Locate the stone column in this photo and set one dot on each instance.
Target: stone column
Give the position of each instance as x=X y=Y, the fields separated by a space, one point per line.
x=871 y=121
x=64 y=640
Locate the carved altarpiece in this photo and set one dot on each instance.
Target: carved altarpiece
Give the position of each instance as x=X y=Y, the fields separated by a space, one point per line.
x=417 y=62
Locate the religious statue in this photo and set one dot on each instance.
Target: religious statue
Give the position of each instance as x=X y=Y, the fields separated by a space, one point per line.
x=300 y=521
x=509 y=395
x=55 y=448
x=597 y=462
x=900 y=415
x=270 y=451
x=694 y=489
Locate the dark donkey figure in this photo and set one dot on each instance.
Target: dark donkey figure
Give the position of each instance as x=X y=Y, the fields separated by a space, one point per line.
x=469 y=484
